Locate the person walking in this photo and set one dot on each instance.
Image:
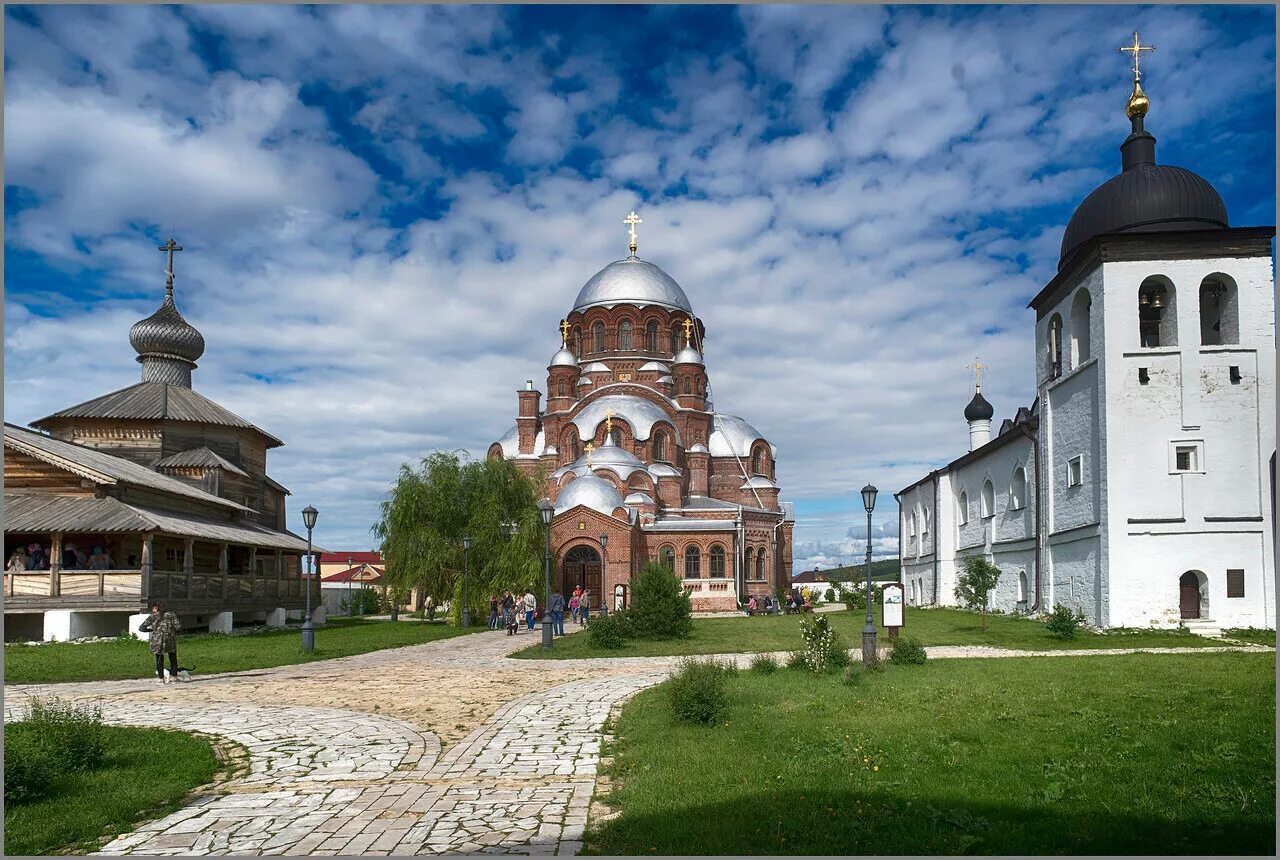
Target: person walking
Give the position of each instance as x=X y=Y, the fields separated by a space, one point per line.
x=573 y=606
x=509 y=613
x=162 y=625
x=530 y=608
x=493 y=612
x=584 y=607
x=555 y=606
x=431 y=608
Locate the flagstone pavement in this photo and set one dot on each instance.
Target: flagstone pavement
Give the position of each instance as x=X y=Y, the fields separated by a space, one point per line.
x=346 y=755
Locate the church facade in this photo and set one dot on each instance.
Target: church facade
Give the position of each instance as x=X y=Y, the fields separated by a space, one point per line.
x=638 y=463
x=1139 y=485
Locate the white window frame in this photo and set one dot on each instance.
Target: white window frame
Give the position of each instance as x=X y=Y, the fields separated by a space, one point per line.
x=1197 y=454
x=962 y=507
x=1075 y=471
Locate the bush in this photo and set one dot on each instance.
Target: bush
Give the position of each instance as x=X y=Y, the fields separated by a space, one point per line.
x=796 y=660
x=56 y=738
x=659 y=606
x=1063 y=623
x=853 y=673
x=839 y=653
x=829 y=595
x=367 y=601
x=610 y=631
x=697 y=691
x=907 y=652
x=764 y=664
x=821 y=643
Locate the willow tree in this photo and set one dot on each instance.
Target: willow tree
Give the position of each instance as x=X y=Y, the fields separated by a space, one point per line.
x=430 y=509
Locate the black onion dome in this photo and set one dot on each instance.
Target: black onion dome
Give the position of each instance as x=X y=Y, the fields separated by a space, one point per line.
x=166 y=333
x=1144 y=198
x=978 y=409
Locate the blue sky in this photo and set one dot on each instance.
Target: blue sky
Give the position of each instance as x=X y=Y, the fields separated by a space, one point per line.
x=387 y=210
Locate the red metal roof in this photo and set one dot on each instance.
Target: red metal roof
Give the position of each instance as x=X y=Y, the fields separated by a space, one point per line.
x=356 y=557
x=350 y=573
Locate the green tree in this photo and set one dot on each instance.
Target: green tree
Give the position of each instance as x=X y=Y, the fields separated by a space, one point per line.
x=975 y=583
x=660 y=607
x=430 y=509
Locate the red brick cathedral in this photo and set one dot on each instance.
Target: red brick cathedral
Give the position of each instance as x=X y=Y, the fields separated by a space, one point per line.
x=641 y=465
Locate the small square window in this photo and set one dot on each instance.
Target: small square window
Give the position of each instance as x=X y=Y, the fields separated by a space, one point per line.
x=1186 y=458
x=1235 y=374
x=1075 y=471
x=1235 y=582
x=1143 y=376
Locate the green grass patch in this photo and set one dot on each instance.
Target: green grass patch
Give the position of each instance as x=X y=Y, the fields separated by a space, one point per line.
x=1255 y=635
x=209 y=653
x=927 y=626
x=1130 y=754
x=146 y=773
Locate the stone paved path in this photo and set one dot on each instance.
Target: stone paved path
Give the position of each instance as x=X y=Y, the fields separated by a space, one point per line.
x=326 y=781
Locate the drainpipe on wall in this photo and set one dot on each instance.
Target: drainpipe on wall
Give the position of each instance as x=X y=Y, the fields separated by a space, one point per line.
x=1035 y=471
x=936 y=527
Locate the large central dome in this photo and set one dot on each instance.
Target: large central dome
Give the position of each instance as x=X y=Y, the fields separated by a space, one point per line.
x=632 y=281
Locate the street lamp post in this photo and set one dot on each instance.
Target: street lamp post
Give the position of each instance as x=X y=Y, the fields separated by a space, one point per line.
x=604 y=569
x=548 y=512
x=309 y=515
x=351 y=607
x=869 y=631
x=466 y=569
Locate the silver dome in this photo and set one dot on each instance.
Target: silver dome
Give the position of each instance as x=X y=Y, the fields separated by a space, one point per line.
x=655 y=365
x=632 y=281
x=564 y=358
x=688 y=355
x=608 y=457
x=639 y=413
x=756 y=482
x=596 y=367
x=731 y=436
x=638 y=499
x=595 y=493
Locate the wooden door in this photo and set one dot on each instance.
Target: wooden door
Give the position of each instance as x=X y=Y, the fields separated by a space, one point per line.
x=1189 y=595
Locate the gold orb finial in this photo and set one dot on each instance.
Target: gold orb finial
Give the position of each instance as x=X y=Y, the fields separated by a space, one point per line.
x=631 y=221
x=1138 y=101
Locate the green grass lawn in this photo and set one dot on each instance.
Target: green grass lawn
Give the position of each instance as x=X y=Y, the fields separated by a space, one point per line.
x=147 y=773
x=102 y=661
x=1132 y=754
x=1257 y=636
x=929 y=626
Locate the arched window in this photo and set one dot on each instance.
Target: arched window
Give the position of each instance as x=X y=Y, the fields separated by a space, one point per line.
x=667 y=557
x=717 y=562
x=598 y=332
x=760 y=565
x=988 y=499
x=560 y=388
x=1157 y=314
x=624 y=336
x=660 y=446
x=962 y=508
x=911 y=525
x=924 y=523
x=651 y=337
x=615 y=437
x=688 y=385
x=1055 y=347
x=692 y=563
x=1018 y=489
x=757 y=464
x=1022 y=586
x=749 y=570
x=675 y=338
x=1080 y=328
x=1219 y=315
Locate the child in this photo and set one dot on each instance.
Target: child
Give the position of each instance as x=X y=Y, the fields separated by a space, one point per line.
x=574 y=602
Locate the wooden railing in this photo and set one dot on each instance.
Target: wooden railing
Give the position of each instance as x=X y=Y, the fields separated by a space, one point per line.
x=33 y=585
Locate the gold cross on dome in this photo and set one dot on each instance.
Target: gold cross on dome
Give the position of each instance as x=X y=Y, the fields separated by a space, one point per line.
x=608 y=424
x=564 y=332
x=631 y=221
x=688 y=330
x=169 y=247
x=977 y=368
x=1136 y=49
x=589 y=448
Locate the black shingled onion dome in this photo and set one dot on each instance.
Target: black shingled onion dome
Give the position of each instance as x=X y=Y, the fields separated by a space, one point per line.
x=978 y=409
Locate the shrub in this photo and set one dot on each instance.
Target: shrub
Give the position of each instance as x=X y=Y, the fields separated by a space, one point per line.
x=820 y=643
x=839 y=653
x=853 y=673
x=610 y=631
x=659 y=606
x=907 y=652
x=829 y=595
x=57 y=737
x=697 y=691
x=28 y=765
x=796 y=660
x=764 y=664
x=1063 y=623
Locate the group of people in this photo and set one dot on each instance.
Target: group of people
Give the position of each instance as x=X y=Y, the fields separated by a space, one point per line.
x=769 y=605
x=34 y=556
x=507 y=610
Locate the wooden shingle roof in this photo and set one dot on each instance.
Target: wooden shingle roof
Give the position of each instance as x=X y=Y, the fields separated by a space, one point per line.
x=200 y=458
x=158 y=400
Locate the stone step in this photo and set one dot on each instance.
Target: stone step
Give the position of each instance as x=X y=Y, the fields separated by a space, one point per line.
x=1203 y=627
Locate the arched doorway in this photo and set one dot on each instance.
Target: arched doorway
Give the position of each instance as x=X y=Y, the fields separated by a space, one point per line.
x=1190 y=594
x=581 y=570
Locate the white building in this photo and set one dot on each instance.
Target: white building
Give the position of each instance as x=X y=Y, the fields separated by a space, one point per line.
x=1139 y=487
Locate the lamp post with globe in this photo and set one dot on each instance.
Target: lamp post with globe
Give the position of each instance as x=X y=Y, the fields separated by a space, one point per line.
x=548 y=512
x=869 y=631
x=309 y=515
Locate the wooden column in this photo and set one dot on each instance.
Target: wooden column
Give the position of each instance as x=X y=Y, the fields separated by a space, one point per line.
x=222 y=570
x=253 y=573
x=55 y=564
x=189 y=562
x=279 y=571
x=148 y=564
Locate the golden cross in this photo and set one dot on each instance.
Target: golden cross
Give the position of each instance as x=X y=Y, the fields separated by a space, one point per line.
x=631 y=221
x=590 y=447
x=977 y=367
x=608 y=424
x=564 y=332
x=1136 y=49
x=688 y=330
x=169 y=247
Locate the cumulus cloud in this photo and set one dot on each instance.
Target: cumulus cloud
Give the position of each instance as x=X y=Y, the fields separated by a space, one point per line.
x=388 y=209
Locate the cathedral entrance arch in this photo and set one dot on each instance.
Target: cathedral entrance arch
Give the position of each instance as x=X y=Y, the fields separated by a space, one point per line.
x=581 y=570
x=1192 y=595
